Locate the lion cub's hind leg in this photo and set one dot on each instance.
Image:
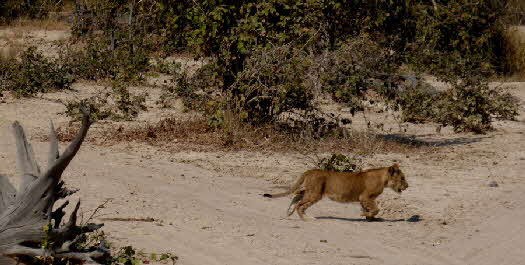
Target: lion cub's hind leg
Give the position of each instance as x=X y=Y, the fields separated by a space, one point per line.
x=295 y=202
x=301 y=208
x=311 y=196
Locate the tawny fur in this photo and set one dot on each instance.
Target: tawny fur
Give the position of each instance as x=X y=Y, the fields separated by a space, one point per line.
x=345 y=187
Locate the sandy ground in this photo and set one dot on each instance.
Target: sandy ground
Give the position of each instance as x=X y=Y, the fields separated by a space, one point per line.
x=208 y=208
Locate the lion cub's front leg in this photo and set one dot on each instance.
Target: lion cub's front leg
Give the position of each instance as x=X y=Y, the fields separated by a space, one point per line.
x=364 y=211
x=369 y=207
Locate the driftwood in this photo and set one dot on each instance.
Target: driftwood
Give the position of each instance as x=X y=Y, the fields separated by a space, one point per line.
x=27 y=218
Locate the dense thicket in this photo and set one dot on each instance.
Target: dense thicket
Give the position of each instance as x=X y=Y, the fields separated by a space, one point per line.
x=12 y=9
x=301 y=49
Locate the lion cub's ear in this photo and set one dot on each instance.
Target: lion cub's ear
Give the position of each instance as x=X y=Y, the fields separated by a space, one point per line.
x=393 y=169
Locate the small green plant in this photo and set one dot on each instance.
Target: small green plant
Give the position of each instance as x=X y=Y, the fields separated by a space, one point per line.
x=130 y=256
x=340 y=162
x=170 y=68
x=46 y=241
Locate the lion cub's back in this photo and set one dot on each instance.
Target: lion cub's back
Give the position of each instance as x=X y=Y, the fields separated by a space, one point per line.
x=338 y=186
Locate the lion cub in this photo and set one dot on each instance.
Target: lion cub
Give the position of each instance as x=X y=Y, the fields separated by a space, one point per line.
x=363 y=187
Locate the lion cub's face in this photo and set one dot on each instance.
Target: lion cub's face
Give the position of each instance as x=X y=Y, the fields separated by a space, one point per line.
x=397 y=180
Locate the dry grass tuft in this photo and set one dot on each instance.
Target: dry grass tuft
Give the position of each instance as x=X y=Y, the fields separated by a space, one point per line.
x=197 y=135
x=11 y=44
x=64 y=134
x=515 y=50
x=54 y=22
x=516 y=10
x=10 y=52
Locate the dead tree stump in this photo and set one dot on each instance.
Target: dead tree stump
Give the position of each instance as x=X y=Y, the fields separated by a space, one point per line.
x=27 y=218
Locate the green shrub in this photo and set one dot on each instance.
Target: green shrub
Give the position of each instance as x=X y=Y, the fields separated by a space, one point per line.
x=273 y=57
x=157 y=25
x=430 y=37
x=115 y=104
x=274 y=81
x=232 y=30
x=33 y=73
x=112 y=40
x=169 y=68
x=348 y=72
x=199 y=91
x=419 y=105
x=96 y=61
x=456 y=34
x=471 y=105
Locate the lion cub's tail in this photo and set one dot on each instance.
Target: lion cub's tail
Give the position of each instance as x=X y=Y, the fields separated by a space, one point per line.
x=292 y=189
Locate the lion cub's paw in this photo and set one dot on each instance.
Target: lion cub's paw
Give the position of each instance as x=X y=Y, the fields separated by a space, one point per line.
x=372 y=219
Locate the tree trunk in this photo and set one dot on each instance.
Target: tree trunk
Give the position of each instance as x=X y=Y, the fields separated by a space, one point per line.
x=27 y=218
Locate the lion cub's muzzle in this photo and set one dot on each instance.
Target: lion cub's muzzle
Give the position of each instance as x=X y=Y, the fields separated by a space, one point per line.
x=401 y=189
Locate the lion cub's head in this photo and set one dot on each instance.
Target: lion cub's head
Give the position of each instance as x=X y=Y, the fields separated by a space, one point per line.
x=396 y=179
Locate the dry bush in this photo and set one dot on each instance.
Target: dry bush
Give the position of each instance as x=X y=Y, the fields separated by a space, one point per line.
x=64 y=134
x=198 y=135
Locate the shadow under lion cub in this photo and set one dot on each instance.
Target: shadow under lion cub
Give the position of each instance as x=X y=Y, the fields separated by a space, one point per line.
x=345 y=187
